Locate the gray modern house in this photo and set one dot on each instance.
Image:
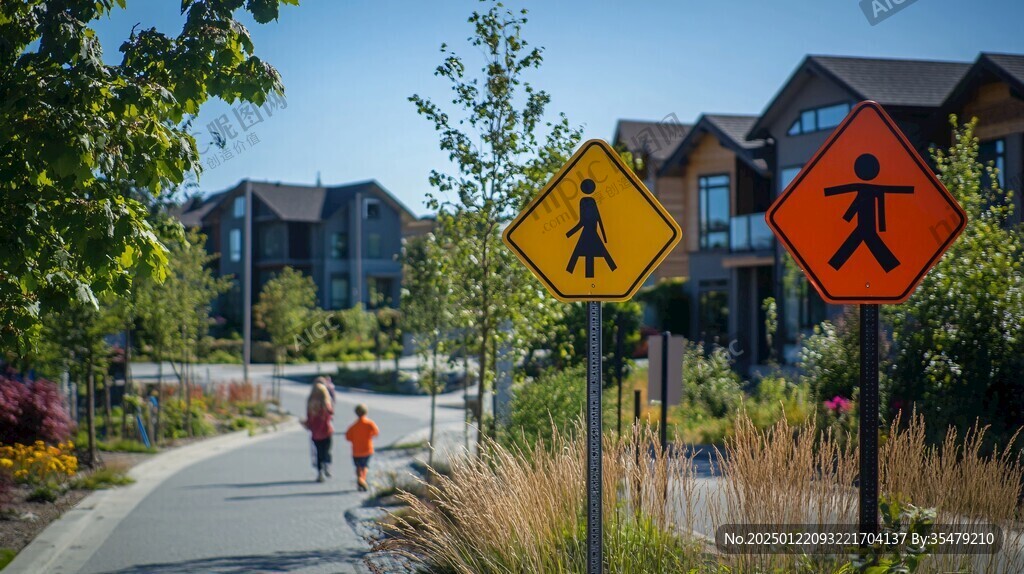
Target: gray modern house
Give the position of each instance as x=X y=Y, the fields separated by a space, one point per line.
x=724 y=171
x=347 y=238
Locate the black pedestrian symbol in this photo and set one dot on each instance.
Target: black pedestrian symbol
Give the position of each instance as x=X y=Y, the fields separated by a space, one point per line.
x=591 y=244
x=869 y=207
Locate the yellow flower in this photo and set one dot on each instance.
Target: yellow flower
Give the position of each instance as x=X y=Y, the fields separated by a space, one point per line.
x=6 y=463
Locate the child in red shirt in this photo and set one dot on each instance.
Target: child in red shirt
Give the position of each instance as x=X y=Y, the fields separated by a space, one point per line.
x=361 y=434
x=319 y=412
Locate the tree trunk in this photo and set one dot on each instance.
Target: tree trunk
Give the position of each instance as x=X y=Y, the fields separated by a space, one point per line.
x=186 y=384
x=433 y=408
x=108 y=416
x=90 y=414
x=127 y=381
x=159 y=395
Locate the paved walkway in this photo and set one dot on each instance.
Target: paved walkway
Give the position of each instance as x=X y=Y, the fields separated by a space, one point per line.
x=256 y=508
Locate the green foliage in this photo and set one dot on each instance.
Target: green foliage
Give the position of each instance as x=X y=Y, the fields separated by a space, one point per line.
x=427 y=295
x=492 y=135
x=44 y=493
x=102 y=479
x=542 y=407
x=175 y=314
x=959 y=340
x=709 y=380
x=671 y=305
x=568 y=339
x=830 y=357
x=286 y=308
x=172 y=419
x=78 y=135
x=900 y=518
x=6 y=557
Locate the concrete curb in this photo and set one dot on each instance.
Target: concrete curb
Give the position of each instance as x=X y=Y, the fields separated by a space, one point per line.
x=67 y=543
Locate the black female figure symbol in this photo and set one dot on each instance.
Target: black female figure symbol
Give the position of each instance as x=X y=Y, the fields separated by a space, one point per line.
x=590 y=244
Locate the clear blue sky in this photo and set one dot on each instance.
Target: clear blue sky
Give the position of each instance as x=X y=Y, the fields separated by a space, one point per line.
x=349 y=67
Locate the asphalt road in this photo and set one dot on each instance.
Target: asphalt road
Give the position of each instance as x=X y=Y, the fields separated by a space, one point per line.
x=257 y=508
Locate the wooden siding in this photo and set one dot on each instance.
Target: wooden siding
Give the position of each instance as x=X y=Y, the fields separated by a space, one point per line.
x=998 y=112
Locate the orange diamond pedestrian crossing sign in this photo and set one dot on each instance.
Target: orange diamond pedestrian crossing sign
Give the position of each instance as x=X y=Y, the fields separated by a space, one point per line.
x=595 y=232
x=866 y=218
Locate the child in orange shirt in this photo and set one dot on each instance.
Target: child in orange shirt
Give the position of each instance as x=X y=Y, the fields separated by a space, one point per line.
x=361 y=434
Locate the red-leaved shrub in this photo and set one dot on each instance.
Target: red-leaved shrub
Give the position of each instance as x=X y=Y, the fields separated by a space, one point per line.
x=31 y=412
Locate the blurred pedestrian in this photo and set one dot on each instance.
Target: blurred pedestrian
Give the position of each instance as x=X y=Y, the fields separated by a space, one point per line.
x=361 y=435
x=329 y=384
x=319 y=412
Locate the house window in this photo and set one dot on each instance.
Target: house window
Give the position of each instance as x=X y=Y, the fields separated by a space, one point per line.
x=714 y=211
x=371 y=209
x=235 y=244
x=993 y=152
x=788 y=174
x=373 y=246
x=238 y=207
x=713 y=311
x=339 y=245
x=339 y=292
x=819 y=119
x=271 y=240
x=379 y=291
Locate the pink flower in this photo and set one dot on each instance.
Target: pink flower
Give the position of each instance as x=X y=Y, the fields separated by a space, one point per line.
x=839 y=405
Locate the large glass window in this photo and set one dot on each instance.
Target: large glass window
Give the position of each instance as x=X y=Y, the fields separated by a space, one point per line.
x=714 y=211
x=819 y=119
x=339 y=292
x=339 y=245
x=379 y=291
x=713 y=318
x=372 y=209
x=271 y=240
x=787 y=175
x=238 y=207
x=373 y=246
x=235 y=244
x=994 y=152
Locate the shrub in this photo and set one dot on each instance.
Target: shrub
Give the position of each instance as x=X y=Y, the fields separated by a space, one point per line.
x=539 y=408
x=103 y=478
x=509 y=512
x=709 y=380
x=959 y=339
x=830 y=357
x=39 y=464
x=32 y=411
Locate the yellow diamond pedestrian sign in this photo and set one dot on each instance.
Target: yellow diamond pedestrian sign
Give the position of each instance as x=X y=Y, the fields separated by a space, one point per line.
x=594 y=233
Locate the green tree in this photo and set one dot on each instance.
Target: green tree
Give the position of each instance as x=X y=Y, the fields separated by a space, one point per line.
x=175 y=313
x=74 y=340
x=76 y=134
x=492 y=135
x=427 y=307
x=959 y=340
x=286 y=308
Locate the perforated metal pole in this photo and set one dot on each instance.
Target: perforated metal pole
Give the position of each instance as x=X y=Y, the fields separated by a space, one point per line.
x=594 y=528
x=869 y=418
x=665 y=338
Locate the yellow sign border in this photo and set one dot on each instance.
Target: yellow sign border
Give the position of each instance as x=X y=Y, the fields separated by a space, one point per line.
x=677 y=232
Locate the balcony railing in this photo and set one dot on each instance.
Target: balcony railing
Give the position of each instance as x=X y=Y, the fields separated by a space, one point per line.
x=750 y=233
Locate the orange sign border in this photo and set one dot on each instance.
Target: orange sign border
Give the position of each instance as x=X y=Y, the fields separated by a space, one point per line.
x=677 y=232
x=836 y=134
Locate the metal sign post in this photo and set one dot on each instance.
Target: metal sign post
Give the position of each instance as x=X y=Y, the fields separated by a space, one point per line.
x=664 y=390
x=869 y=418
x=594 y=528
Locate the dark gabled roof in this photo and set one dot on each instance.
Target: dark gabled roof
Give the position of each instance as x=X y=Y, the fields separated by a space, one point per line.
x=1008 y=68
x=192 y=212
x=291 y=202
x=655 y=140
x=890 y=82
x=730 y=130
x=300 y=203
